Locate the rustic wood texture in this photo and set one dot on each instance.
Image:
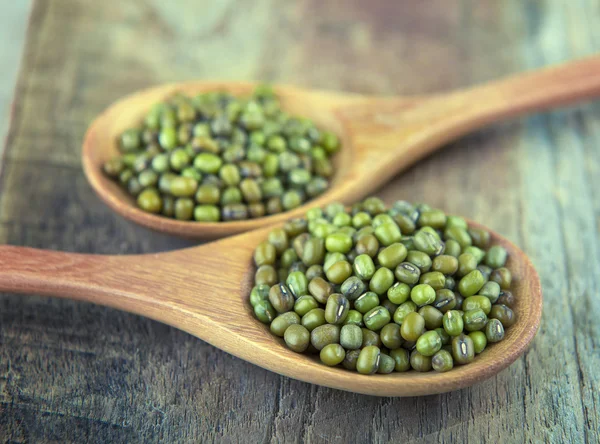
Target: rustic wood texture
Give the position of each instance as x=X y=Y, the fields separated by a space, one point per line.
x=13 y=22
x=72 y=371
x=382 y=136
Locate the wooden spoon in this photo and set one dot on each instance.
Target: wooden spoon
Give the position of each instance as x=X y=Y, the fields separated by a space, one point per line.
x=204 y=291
x=380 y=136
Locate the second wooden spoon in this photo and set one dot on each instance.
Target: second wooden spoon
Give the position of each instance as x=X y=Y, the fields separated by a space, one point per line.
x=380 y=136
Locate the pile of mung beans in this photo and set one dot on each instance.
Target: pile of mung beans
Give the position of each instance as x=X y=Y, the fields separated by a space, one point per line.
x=378 y=289
x=216 y=157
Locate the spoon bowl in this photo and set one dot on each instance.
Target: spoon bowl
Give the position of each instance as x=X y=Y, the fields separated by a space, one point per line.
x=100 y=145
x=380 y=136
x=204 y=291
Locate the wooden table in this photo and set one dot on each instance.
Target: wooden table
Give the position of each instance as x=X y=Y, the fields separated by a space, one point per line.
x=78 y=372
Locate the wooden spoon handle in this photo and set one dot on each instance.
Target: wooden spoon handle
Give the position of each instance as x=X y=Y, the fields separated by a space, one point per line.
x=391 y=135
x=168 y=287
x=30 y=270
x=114 y=281
x=524 y=93
x=194 y=289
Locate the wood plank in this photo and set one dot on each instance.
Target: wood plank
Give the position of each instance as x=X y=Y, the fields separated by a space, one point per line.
x=73 y=371
x=12 y=39
x=559 y=224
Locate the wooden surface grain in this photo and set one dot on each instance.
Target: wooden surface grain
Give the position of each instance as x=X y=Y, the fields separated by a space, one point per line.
x=13 y=22
x=79 y=372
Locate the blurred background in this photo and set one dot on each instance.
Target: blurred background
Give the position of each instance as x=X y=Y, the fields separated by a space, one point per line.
x=73 y=371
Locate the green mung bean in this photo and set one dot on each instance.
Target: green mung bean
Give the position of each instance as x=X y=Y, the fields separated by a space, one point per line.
x=355 y=287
